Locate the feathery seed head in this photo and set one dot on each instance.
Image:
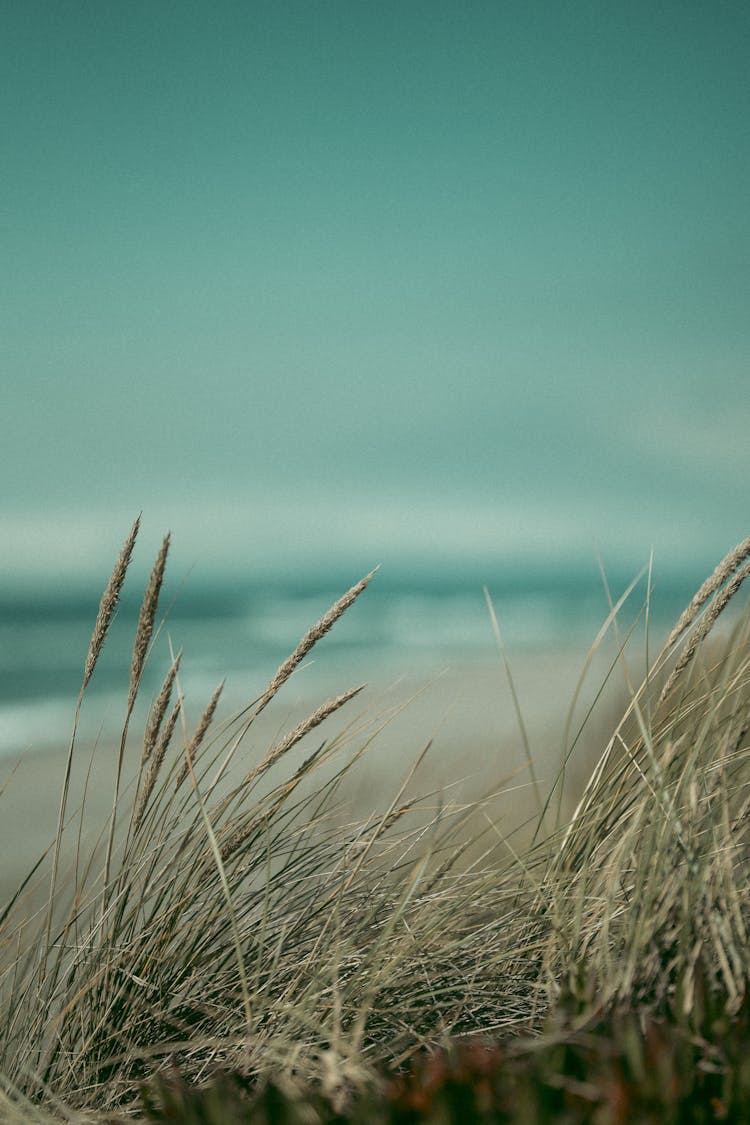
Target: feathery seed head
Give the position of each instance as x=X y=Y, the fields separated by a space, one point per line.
x=146 y=618
x=108 y=603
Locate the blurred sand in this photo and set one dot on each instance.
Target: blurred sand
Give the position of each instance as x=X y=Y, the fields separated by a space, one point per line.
x=467 y=711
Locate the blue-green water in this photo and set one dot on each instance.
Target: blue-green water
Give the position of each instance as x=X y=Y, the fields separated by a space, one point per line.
x=413 y=620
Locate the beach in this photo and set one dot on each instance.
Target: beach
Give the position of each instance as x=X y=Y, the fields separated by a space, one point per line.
x=466 y=711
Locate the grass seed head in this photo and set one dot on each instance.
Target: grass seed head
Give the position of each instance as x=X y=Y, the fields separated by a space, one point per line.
x=108 y=603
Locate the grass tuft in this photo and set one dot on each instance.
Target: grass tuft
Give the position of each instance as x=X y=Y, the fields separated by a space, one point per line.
x=232 y=924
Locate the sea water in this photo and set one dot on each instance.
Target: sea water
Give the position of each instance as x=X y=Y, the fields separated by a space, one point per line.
x=413 y=622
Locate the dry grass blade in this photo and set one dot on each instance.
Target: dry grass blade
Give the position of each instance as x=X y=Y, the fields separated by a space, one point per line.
x=108 y=604
x=146 y=618
x=709 y=620
x=727 y=566
x=155 y=764
x=274 y=755
x=236 y=939
x=107 y=607
x=308 y=642
x=658 y=871
x=318 y=631
x=159 y=710
x=299 y=732
x=240 y=835
x=199 y=734
x=140 y=647
x=568 y=749
x=516 y=703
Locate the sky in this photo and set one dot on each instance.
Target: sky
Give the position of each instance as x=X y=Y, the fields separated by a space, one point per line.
x=374 y=280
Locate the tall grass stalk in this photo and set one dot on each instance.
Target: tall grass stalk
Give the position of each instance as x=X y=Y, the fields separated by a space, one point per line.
x=107 y=608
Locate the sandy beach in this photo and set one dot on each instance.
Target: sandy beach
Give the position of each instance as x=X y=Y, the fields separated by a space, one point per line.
x=467 y=712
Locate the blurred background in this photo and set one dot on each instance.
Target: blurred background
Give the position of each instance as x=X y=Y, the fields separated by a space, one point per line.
x=457 y=288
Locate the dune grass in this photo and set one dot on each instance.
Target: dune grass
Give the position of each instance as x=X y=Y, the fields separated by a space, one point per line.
x=241 y=923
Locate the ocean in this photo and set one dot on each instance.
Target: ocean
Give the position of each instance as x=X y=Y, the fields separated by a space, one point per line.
x=411 y=622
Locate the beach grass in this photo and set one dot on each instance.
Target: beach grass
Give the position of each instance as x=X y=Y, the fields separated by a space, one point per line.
x=231 y=920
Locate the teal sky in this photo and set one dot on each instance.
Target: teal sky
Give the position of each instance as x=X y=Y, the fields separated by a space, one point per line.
x=374 y=278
